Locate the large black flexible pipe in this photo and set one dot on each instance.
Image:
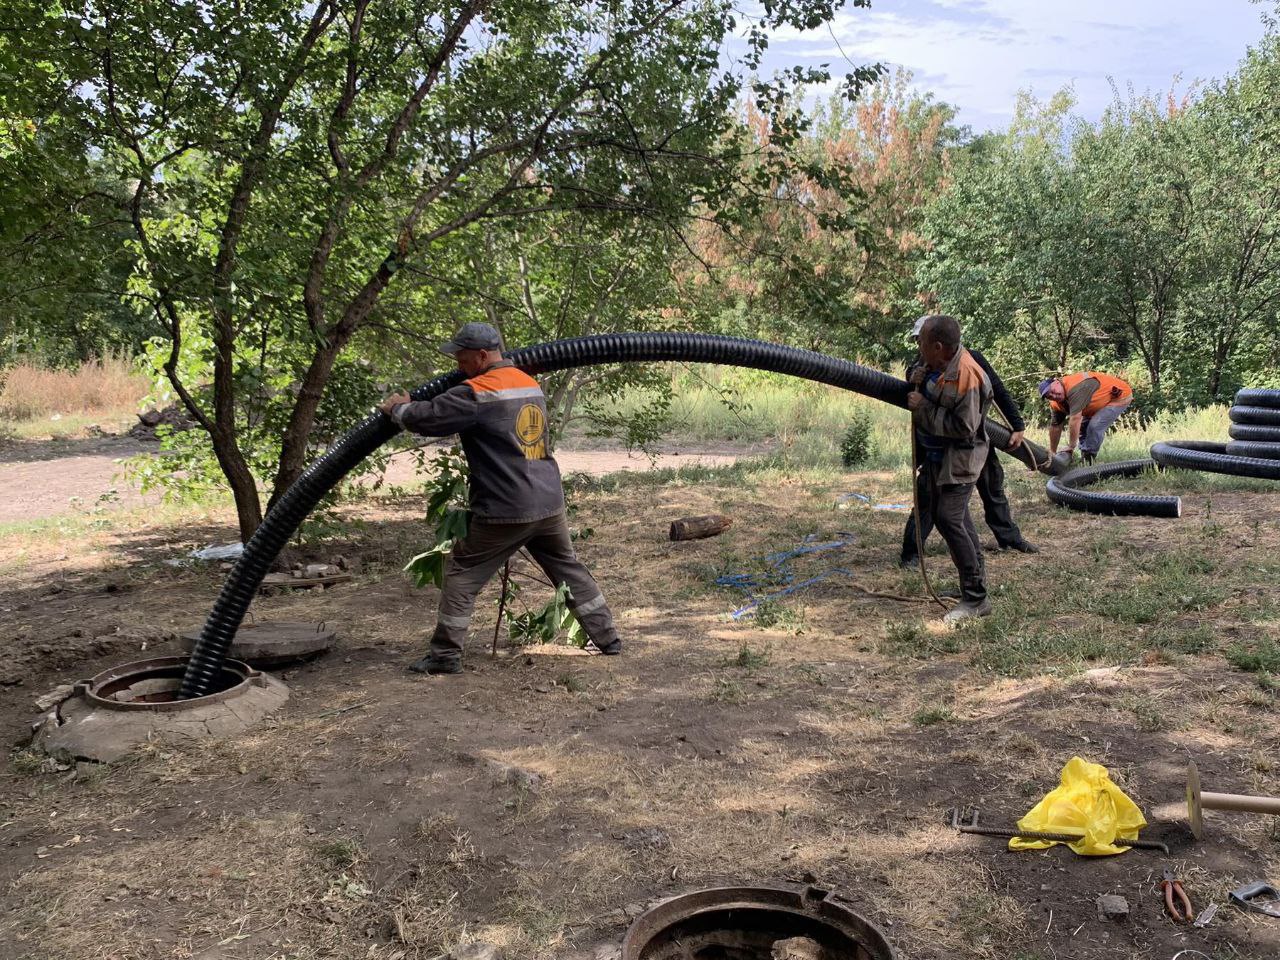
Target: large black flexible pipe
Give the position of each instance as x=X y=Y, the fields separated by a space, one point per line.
x=1262 y=416
x=1065 y=491
x=1255 y=434
x=296 y=502
x=1244 y=448
x=1212 y=458
x=1258 y=397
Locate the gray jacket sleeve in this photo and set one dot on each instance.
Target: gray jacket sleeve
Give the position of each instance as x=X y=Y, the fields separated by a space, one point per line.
x=451 y=412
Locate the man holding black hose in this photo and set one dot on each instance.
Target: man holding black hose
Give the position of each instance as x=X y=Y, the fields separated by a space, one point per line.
x=948 y=409
x=516 y=497
x=990 y=483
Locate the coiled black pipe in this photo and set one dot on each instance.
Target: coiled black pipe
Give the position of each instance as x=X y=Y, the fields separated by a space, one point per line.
x=1243 y=448
x=1066 y=491
x=1261 y=416
x=1256 y=434
x=280 y=523
x=1258 y=397
x=1212 y=458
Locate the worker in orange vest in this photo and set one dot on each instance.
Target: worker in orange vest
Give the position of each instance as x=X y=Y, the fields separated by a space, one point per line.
x=1089 y=403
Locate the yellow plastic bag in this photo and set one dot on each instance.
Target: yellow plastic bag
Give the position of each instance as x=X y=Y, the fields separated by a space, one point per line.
x=1088 y=803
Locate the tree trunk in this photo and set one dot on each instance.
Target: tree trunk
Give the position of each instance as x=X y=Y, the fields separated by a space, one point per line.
x=244 y=489
x=293 y=445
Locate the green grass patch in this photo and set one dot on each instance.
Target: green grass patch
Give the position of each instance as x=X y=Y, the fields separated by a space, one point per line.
x=1007 y=644
x=749 y=658
x=1259 y=656
x=728 y=690
x=783 y=616
x=341 y=854
x=909 y=638
x=931 y=715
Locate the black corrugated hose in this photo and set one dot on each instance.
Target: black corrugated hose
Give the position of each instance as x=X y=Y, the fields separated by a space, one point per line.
x=280 y=523
x=1255 y=419
x=1254 y=434
x=1065 y=491
x=1254 y=452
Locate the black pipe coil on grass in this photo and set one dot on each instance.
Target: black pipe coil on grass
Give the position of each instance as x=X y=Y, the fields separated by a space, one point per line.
x=1066 y=492
x=1212 y=458
x=1253 y=433
x=1244 y=448
x=293 y=506
x=1258 y=397
x=1259 y=416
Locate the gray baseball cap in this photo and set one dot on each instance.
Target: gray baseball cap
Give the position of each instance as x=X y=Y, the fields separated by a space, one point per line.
x=473 y=336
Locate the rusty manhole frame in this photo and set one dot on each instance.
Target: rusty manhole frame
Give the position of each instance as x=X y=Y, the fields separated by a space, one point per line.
x=124 y=675
x=810 y=904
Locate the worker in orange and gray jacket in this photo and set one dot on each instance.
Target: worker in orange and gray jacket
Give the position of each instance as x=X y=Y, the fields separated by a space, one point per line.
x=1089 y=403
x=949 y=409
x=516 y=497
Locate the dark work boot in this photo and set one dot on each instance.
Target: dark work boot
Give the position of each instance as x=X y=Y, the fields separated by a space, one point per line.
x=610 y=649
x=435 y=666
x=967 y=610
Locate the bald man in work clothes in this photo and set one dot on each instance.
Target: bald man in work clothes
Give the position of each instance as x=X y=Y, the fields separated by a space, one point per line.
x=948 y=410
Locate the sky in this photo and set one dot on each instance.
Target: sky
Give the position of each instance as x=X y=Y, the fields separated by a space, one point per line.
x=977 y=54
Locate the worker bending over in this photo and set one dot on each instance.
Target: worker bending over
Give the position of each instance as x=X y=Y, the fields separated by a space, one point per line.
x=1089 y=403
x=516 y=498
x=948 y=409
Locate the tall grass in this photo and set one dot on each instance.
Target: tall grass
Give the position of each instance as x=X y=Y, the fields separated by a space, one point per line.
x=31 y=392
x=807 y=420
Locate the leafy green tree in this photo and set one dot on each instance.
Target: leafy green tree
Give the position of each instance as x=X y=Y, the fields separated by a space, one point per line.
x=1136 y=168
x=1233 y=299
x=62 y=259
x=287 y=160
x=830 y=264
x=1007 y=245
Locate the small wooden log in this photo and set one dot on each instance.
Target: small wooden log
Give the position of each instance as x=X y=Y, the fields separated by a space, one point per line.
x=695 y=528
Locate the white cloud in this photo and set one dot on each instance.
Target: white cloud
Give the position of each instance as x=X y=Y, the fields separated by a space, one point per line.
x=978 y=53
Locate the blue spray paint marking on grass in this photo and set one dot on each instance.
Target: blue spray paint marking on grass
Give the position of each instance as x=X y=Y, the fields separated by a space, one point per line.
x=778 y=575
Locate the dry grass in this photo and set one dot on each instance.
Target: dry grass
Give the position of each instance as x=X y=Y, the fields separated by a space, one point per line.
x=366 y=820
x=31 y=392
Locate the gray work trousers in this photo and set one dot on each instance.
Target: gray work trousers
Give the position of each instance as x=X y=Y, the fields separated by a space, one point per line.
x=1094 y=430
x=950 y=505
x=995 y=507
x=483 y=551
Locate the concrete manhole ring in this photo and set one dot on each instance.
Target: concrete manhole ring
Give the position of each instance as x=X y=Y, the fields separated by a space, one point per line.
x=109 y=714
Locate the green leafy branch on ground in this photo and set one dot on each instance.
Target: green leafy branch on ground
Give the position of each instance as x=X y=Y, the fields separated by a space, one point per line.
x=446 y=508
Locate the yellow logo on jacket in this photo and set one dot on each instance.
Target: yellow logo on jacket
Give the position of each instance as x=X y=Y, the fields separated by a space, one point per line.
x=531 y=431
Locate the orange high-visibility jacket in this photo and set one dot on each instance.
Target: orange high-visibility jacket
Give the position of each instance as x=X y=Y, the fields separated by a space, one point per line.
x=1102 y=397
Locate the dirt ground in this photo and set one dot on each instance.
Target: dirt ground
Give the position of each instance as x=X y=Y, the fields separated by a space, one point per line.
x=541 y=799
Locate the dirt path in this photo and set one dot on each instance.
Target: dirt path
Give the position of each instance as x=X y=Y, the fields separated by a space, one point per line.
x=54 y=478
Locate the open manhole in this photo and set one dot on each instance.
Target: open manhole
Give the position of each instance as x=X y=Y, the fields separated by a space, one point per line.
x=109 y=714
x=754 y=923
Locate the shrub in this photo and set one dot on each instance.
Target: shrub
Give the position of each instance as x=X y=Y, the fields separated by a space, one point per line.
x=855 y=446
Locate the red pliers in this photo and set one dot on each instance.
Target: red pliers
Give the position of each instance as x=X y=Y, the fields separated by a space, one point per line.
x=1172 y=888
